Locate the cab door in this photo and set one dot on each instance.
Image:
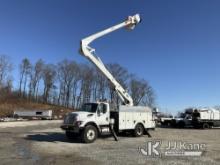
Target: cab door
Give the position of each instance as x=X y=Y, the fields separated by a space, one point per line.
x=102 y=114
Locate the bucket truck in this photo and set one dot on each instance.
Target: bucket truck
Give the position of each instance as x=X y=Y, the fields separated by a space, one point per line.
x=97 y=118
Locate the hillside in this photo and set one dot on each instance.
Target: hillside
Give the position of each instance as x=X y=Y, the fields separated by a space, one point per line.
x=7 y=107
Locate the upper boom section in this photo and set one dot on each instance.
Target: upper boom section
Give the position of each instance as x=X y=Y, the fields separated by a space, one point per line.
x=88 y=52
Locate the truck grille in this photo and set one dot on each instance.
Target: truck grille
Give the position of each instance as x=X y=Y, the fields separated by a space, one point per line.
x=70 y=119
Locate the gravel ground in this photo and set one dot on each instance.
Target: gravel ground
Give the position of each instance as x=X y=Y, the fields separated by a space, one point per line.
x=43 y=142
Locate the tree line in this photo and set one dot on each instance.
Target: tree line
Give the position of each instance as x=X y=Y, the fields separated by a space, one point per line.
x=70 y=84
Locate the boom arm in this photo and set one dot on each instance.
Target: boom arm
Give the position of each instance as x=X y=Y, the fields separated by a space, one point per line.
x=88 y=52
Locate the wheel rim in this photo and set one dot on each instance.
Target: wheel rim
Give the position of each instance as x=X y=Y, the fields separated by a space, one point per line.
x=205 y=126
x=139 y=131
x=90 y=134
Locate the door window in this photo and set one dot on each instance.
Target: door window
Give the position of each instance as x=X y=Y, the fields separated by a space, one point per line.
x=102 y=108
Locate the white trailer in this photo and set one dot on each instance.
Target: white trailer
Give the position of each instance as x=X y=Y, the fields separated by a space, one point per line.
x=42 y=114
x=206 y=118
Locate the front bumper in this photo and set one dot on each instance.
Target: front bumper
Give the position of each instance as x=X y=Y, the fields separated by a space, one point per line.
x=71 y=128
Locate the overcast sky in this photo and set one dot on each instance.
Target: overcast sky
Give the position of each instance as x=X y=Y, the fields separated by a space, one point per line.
x=176 y=47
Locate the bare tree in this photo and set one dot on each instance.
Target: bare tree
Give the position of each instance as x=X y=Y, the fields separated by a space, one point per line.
x=137 y=88
x=77 y=83
x=122 y=76
x=149 y=98
x=5 y=68
x=9 y=86
x=75 y=86
x=25 y=68
x=49 y=77
x=87 y=79
x=141 y=92
x=36 y=76
x=99 y=85
x=67 y=75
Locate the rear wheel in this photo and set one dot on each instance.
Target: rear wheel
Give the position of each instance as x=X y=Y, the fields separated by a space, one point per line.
x=181 y=124
x=139 y=130
x=89 y=134
x=205 y=126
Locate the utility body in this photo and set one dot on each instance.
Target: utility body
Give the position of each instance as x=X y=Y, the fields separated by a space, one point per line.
x=98 y=118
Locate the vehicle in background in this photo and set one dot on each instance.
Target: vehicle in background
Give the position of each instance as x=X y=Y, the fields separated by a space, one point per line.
x=183 y=119
x=206 y=118
x=30 y=114
x=166 y=121
x=163 y=119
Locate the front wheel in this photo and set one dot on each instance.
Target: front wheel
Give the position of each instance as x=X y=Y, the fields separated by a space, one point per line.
x=139 y=130
x=89 y=134
x=181 y=124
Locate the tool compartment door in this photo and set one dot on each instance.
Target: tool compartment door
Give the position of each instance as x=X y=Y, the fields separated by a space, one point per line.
x=122 y=120
x=129 y=123
x=126 y=120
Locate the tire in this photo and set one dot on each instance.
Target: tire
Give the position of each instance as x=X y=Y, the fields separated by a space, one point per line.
x=139 y=130
x=71 y=135
x=89 y=134
x=196 y=126
x=173 y=123
x=205 y=126
x=181 y=124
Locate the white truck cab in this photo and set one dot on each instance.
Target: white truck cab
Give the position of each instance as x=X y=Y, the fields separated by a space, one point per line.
x=95 y=118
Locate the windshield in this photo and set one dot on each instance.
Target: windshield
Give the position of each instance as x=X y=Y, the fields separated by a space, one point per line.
x=180 y=115
x=90 y=107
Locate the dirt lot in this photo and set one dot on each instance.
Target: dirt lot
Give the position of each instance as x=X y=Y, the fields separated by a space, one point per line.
x=42 y=142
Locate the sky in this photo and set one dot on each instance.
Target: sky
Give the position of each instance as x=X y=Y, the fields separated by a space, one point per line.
x=176 y=47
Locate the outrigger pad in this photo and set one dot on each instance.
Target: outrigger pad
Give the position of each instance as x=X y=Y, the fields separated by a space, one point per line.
x=113 y=132
x=148 y=134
